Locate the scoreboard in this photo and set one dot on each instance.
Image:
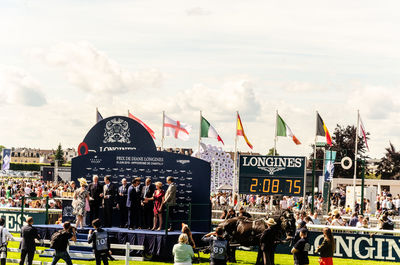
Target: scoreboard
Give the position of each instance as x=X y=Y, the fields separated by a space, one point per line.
x=271 y=175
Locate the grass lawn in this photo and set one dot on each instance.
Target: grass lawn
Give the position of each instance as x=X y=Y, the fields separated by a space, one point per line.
x=243 y=257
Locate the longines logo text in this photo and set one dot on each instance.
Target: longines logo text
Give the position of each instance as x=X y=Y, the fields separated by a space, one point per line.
x=277 y=162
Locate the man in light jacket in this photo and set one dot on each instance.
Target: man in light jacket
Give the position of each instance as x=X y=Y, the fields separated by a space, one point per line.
x=5 y=236
x=170 y=200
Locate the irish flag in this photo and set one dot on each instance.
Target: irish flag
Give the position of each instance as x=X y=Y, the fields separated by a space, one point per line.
x=208 y=131
x=282 y=129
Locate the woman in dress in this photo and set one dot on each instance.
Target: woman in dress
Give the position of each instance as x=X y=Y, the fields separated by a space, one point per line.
x=327 y=248
x=158 y=198
x=79 y=202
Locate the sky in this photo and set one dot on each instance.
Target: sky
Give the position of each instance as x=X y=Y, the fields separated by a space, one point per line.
x=59 y=60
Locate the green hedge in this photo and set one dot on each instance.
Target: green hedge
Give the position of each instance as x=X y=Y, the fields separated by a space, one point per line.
x=29 y=166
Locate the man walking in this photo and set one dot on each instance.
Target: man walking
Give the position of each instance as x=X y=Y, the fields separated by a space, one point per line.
x=96 y=197
x=133 y=202
x=28 y=246
x=148 y=205
x=59 y=242
x=170 y=200
x=122 y=196
x=109 y=200
x=101 y=243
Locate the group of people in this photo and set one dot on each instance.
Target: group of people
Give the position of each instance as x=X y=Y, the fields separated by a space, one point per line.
x=140 y=205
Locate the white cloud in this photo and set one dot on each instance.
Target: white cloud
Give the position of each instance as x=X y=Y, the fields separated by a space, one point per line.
x=197 y=11
x=92 y=70
x=19 y=87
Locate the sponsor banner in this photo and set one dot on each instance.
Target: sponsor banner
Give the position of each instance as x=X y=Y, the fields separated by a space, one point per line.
x=356 y=246
x=271 y=175
x=67 y=211
x=13 y=219
x=329 y=166
x=6 y=159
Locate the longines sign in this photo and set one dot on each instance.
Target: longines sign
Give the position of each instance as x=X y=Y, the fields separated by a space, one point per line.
x=357 y=246
x=13 y=219
x=272 y=165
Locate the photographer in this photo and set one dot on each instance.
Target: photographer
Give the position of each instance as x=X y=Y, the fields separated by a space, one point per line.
x=59 y=242
x=101 y=243
x=4 y=237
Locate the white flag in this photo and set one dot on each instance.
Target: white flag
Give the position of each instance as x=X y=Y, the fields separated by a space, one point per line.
x=176 y=129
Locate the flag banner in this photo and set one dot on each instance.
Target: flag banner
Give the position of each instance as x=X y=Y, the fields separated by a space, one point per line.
x=282 y=129
x=363 y=133
x=240 y=131
x=322 y=130
x=151 y=132
x=6 y=159
x=330 y=157
x=208 y=131
x=98 y=116
x=176 y=129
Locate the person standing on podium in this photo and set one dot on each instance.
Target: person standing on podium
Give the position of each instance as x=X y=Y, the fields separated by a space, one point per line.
x=122 y=196
x=148 y=205
x=133 y=202
x=110 y=193
x=96 y=198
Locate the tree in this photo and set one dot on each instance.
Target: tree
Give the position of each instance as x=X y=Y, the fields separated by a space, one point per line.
x=344 y=142
x=389 y=166
x=271 y=152
x=59 y=156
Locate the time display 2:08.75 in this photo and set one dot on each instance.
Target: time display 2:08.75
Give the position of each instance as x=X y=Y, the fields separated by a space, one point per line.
x=271 y=185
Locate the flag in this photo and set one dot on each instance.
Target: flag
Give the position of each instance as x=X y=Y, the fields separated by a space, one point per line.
x=240 y=131
x=282 y=129
x=208 y=131
x=98 y=116
x=322 y=130
x=150 y=131
x=176 y=129
x=364 y=133
x=330 y=157
x=6 y=159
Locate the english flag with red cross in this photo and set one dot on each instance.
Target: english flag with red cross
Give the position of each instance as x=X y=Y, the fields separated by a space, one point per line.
x=176 y=129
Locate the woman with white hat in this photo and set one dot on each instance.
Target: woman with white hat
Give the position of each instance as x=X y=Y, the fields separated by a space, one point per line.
x=81 y=196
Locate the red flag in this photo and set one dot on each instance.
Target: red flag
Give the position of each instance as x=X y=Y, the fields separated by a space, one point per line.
x=150 y=131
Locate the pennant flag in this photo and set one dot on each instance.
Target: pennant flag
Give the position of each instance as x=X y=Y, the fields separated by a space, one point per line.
x=208 y=131
x=98 y=116
x=322 y=130
x=150 y=131
x=176 y=129
x=282 y=129
x=363 y=132
x=240 y=131
x=6 y=159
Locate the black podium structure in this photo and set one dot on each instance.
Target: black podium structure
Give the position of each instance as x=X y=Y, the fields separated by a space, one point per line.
x=122 y=148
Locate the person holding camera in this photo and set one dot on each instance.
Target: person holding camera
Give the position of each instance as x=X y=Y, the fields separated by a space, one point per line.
x=5 y=236
x=59 y=242
x=219 y=246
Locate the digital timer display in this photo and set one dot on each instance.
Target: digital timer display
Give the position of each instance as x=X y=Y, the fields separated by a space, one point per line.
x=271 y=186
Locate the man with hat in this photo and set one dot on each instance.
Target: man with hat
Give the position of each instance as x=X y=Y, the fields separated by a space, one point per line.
x=267 y=245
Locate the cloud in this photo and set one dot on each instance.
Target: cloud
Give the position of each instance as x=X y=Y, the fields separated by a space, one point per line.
x=297 y=86
x=197 y=11
x=19 y=87
x=93 y=71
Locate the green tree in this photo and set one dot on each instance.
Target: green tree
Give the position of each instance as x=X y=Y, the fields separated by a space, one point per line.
x=389 y=166
x=344 y=142
x=59 y=156
x=271 y=152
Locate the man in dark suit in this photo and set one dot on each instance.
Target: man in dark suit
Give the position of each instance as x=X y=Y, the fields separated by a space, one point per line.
x=133 y=202
x=110 y=194
x=170 y=200
x=28 y=246
x=147 y=192
x=122 y=196
x=96 y=198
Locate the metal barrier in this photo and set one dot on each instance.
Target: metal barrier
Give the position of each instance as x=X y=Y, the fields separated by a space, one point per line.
x=127 y=247
x=319 y=228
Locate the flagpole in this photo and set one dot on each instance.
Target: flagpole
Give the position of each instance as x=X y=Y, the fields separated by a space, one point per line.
x=235 y=188
x=162 y=137
x=97 y=111
x=355 y=159
x=276 y=130
x=128 y=112
x=315 y=139
x=199 y=135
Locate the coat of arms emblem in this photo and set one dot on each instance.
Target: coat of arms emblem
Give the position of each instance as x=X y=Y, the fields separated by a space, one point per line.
x=117 y=131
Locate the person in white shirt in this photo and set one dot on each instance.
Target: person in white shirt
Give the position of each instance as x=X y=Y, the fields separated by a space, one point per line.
x=5 y=236
x=315 y=219
x=360 y=222
x=283 y=203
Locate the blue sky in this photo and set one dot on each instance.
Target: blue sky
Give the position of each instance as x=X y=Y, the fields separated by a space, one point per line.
x=62 y=59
